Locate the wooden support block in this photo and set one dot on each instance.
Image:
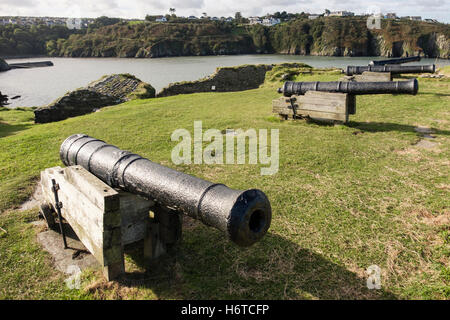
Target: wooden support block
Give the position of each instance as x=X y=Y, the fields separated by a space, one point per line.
x=105 y=219
x=370 y=76
x=328 y=106
x=163 y=233
x=135 y=215
x=92 y=209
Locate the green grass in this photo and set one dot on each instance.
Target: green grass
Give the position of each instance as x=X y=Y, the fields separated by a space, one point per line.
x=345 y=198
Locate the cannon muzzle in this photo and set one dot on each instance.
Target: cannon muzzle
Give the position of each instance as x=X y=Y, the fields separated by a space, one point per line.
x=356 y=88
x=394 y=61
x=244 y=216
x=393 y=69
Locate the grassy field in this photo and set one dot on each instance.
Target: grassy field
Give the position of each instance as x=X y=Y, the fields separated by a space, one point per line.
x=345 y=198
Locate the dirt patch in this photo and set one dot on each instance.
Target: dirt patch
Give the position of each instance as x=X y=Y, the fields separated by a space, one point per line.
x=34 y=200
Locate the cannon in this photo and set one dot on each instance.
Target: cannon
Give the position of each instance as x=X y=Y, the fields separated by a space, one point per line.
x=394 y=61
x=393 y=69
x=331 y=101
x=354 y=88
x=244 y=216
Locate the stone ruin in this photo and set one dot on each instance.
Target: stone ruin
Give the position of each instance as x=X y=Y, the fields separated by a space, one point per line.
x=107 y=91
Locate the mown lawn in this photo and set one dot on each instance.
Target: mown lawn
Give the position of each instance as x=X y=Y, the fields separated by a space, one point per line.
x=345 y=198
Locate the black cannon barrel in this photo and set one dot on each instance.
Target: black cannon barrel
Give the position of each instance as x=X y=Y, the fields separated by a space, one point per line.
x=394 y=61
x=357 y=88
x=244 y=216
x=394 y=69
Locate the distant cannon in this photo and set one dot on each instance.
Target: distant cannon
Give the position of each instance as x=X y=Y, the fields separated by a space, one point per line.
x=332 y=101
x=354 y=88
x=394 y=61
x=393 y=69
x=244 y=216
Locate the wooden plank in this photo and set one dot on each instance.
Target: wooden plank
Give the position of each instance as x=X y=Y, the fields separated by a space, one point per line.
x=324 y=115
x=98 y=192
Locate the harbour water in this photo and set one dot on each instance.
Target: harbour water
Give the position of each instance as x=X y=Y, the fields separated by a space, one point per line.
x=40 y=86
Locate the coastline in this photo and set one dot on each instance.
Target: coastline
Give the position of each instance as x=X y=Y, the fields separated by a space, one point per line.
x=207 y=55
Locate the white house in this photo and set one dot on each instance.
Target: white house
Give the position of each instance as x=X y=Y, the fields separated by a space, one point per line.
x=340 y=14
x=313 y=16
x=161 y=19
x=254 y=20
x=73 y=23
x=268 y=22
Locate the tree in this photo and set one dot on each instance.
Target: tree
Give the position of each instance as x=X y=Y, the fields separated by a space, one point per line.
x=327 y=12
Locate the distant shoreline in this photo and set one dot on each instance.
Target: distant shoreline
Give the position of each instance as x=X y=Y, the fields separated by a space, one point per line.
x=212 y=55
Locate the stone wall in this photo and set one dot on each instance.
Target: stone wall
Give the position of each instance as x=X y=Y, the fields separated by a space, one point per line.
x=3 y=99
x=107 y=91
x=224 y=79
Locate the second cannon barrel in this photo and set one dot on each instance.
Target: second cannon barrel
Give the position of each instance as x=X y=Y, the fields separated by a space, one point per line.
x=356 y=88
x=394 y=61
x=393 y=69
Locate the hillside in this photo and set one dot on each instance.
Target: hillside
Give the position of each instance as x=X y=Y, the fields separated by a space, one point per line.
x=330 y=36
x=345 y=198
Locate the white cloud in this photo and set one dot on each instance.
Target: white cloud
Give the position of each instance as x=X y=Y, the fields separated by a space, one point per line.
x=139 y=8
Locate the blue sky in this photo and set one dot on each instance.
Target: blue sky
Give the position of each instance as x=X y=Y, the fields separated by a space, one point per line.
x=437 y=9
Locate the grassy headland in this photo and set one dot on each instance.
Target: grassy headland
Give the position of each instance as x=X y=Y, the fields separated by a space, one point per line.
x=345 y=198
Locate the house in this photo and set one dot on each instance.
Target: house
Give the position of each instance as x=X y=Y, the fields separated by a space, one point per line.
x=391 y=15
x=229 y=19
x=313 y=16
x=192 y=18
x=214 y=19
x=415 y=18
x=73 y=23
x=161 y=19
x=340 y=14
x=254 y=20
x=431 y=20
x=271 y=21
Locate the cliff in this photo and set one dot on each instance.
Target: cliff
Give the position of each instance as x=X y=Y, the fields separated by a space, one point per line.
x=324 y=36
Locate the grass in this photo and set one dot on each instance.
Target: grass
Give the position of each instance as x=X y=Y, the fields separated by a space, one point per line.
x=345 y=198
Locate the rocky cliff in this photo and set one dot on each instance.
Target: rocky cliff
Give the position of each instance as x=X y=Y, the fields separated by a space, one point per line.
x=107 y=91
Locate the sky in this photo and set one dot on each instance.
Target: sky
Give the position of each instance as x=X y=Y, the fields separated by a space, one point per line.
x=435 y=9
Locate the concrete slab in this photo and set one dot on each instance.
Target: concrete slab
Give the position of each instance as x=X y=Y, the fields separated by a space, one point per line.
x=65 y=259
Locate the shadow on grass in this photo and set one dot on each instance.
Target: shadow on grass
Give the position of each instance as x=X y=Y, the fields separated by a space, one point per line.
x=8 y=129
x=275 y=269
x=436 y=94
x=387 y=126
